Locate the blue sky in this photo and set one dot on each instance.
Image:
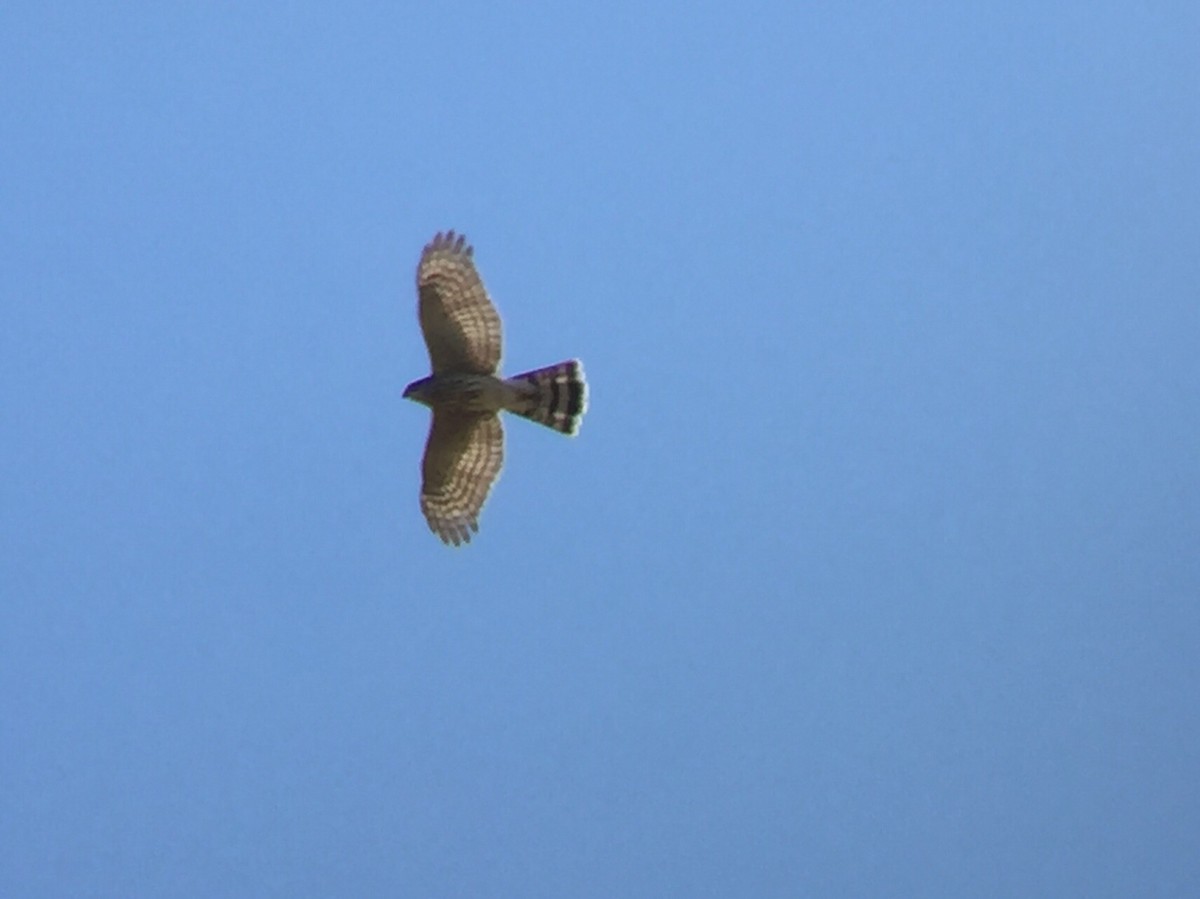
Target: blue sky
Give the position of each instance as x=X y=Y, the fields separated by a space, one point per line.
x=873 y=570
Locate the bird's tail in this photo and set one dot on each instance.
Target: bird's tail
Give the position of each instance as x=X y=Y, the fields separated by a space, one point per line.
x=555 y=396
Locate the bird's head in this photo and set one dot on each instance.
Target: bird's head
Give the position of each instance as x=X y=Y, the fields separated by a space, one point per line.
x=418 y=391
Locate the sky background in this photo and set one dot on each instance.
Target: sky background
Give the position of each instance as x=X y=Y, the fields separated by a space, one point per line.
x=873 y=571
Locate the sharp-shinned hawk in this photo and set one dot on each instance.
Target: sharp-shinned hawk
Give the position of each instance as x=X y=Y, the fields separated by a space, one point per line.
x=465 y=448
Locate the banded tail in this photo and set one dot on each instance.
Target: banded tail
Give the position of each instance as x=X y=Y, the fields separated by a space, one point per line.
x=555 y=396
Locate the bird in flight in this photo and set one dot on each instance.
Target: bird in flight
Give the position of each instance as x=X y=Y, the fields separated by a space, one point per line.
x=465 y=448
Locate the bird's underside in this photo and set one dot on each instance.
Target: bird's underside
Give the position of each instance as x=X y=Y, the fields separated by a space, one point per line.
x=465 y=448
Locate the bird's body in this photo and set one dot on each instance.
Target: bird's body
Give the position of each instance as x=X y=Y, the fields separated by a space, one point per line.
x=465 y=449
x=462 y=392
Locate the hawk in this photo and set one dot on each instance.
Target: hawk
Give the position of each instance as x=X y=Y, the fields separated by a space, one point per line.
x=465 y=448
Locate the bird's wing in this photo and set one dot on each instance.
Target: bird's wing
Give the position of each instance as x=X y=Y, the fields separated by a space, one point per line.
x=462 y=460
x=461 y=326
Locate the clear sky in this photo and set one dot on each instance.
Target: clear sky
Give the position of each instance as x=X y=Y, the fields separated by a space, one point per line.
x=874 y=571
